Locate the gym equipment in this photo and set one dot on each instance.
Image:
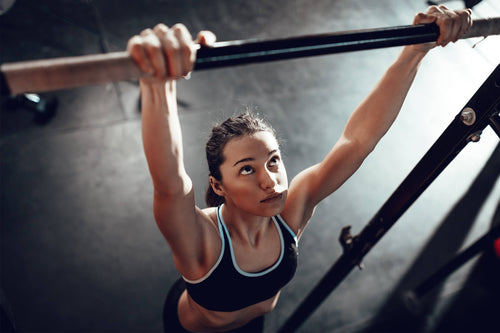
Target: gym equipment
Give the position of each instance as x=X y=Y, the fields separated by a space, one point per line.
x=62 y=73
x=44 y=108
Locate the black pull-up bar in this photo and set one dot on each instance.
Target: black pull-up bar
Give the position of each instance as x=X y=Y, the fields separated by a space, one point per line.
x=60 y=73
x=253 y=51
x=481 y=110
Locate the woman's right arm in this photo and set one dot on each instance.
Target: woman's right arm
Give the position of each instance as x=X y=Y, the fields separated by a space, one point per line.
x=168 y=54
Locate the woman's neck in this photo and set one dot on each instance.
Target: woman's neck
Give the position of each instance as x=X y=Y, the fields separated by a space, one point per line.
x=244 y=227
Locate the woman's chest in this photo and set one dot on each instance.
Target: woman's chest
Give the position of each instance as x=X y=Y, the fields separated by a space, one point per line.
x=255 y=259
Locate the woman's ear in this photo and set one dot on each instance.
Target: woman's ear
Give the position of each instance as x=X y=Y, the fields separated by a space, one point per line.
x=216 y=186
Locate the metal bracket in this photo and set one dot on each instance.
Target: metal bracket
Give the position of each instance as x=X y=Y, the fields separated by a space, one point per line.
x=347 y=241
x=495 y=121
x=475 y=137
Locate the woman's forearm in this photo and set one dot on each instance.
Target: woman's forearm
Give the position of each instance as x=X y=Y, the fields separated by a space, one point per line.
x=377 y=112
x=162 y=137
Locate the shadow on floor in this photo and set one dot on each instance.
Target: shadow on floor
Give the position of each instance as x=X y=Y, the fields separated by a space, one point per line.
x=472 y=308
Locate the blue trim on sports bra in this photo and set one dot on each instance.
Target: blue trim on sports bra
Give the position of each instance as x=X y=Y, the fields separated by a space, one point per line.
x=221 y=255
x=222 y=228
x=226 y=287
x=233 y=257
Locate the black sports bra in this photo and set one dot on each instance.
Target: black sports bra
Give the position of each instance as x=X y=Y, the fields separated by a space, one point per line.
x=228 y=288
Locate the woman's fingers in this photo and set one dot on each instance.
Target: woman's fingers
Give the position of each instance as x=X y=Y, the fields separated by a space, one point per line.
x=186 y=49
x=153 y=49
x=466 y=21
x=137 y=52
x=452 y=23
x=165 y=53
x=422 y=18
x=441 y=19
x=206 y=38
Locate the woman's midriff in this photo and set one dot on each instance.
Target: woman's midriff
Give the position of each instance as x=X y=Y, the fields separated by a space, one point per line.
x=195 y=318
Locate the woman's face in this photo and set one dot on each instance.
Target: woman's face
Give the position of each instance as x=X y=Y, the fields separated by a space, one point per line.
x=253 y=175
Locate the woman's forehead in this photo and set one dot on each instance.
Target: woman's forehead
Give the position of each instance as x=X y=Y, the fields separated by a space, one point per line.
x=256 y=145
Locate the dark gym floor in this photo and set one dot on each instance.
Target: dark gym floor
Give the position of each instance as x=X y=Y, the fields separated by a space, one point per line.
x=80 y=251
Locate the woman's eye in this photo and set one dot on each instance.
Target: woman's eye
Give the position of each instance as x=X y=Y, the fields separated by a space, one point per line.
x=274 y=161
x=246 y=170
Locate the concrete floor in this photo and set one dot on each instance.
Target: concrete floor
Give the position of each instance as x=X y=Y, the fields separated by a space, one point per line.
x=80 y=251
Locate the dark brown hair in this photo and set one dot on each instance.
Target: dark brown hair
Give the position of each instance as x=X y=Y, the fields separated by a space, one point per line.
x=246 y=123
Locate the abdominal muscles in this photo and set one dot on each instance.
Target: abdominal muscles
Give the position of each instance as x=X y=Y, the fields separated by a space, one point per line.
x=198 y=319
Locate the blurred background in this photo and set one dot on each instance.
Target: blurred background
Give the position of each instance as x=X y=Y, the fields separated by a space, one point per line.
x=80 y=251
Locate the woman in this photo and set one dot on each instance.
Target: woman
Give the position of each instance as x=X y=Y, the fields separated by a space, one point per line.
x=236 y=255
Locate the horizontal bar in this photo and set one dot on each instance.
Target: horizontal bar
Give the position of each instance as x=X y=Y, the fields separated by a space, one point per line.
x=252 y=51
x=69 y=72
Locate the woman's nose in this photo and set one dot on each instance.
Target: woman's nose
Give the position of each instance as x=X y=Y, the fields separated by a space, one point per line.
x=267 y=180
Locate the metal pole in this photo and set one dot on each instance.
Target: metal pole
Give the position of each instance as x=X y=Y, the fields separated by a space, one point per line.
x=62 y=73
x=253 y=51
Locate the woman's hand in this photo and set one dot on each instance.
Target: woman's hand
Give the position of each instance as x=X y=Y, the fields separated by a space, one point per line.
x=452 y=25
x=166 y=53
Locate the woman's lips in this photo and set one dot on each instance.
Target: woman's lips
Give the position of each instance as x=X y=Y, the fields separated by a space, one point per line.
x=272 y=198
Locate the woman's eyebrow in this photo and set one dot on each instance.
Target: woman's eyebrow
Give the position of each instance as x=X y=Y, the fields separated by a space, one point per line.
x=244 y=160
x=248 y=159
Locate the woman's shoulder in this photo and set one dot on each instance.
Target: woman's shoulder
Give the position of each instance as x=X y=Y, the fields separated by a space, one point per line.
x=211 y=213
x=297 y=212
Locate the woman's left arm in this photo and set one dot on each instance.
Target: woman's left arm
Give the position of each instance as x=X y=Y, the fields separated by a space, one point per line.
x=374 y=115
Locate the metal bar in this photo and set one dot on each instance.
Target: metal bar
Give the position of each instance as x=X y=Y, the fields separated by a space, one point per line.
x=253 y=51
x=451 y=266
x=443 y=151
x=495 y=122
x=62 y=73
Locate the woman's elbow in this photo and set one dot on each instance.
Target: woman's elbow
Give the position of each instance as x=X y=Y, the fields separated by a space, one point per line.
x=173 y=187
x=359 y=146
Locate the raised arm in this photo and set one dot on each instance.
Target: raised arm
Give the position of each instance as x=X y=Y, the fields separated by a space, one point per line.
x=169 y=54
x=161 y=130
x=373 y=117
